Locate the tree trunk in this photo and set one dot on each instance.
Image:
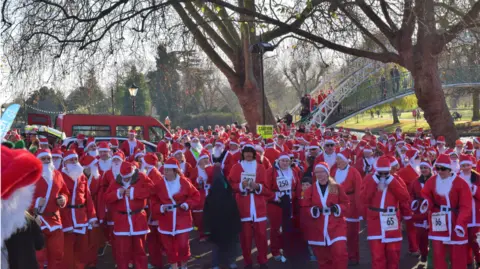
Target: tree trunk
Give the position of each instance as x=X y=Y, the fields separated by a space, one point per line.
x=395 y=114
x=476 y=109
x=431 y=98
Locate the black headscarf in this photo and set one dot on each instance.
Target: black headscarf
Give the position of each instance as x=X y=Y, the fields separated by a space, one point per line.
x=220 y=214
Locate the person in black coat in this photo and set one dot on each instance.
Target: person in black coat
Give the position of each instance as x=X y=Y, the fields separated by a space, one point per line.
x=222 y=220
x=23 y=245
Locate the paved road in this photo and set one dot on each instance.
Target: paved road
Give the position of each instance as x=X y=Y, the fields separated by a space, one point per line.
x=201 y=255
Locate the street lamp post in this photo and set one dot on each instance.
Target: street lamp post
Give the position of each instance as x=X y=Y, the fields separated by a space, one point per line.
x=260 y=49
x=133 y=92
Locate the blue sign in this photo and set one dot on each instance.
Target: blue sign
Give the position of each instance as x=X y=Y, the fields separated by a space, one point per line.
x=7 y=119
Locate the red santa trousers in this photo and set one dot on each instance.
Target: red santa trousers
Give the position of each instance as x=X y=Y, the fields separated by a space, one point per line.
x=198 y=222
x=422 y=239
x=176 y=246
x=473 y=246
x=385 y=255
x=95 y=238
x=155 y=247
x=411 y=235
x=275 y=218
x=53 y=250
x=456 y=253
x=131 y=248
x=75 y=247
x=257 y=230
x=353 y=245
x=332 y=257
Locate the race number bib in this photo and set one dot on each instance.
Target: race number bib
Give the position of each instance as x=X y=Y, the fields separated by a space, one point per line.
x=249 y=178
x=389 y=221
x=283 y=184
x=439 y=222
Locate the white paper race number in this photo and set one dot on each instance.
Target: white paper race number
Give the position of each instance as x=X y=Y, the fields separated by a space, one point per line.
x=283 y=184
x=249 y=178
x=439 y=222
x=389 y=221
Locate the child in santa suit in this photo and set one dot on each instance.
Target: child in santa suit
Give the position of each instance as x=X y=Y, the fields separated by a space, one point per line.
x=247 y=179
x=77 y=215
x=174 y=197
x=351 y=181
x=381 y=195
x=127 y=198
x=448 y=201
x=201 y=178
x=51 y=194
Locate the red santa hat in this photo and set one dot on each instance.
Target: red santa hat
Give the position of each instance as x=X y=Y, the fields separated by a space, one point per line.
x=313 y=144
x=168 y=136
x=176 y=149
x=465 y=159
x=113 y=143
x=171 y=163
x=119 y=155
x=220 y=142
x=234 y=142
x=284 y=155
x=87 y=161
x=383 y=164
x=411 y=154
x=19 y=168
x=393 y=161
x=259 y=148
x=444 y=161
x=391 y=137
x=367 y=148
x=458 y=142
x=354 y=138
x=426 y=163
x=345 y=155
x=42 y=153
x=132 y=132
x=43 y=141
x=249 y=144
x=80 y=136
x=151 y=159
x=451 y=152
x=441 y=140
x=56 y=152
x=400 y=141
x=70 y=154
x=329 y=141
x=324 y=166
x=139 y=153
x=127 y=170
x=476 y=140
x=270 y=142
x=203 y=155
x=103 y=146
x=90 y=141
x=469 y=146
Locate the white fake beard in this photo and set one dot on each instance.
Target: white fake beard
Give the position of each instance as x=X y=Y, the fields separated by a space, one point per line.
x=443 y=186
x=13 y=210
x=381 y=184
x=74 y=170
x=455 y=166
x=57 y=163
x=217 y=151
x=105 y=165
x=93 y=153
x=116 y=169
x=94 y=171
x=47 y=171
x=197 y=146
x=416 y=165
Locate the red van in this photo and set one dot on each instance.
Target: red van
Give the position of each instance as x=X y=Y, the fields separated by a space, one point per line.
x=148 y=128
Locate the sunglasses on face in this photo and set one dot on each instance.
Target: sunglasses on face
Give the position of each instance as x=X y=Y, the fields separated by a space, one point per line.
x=329 y=145
x=383 y=174
x=441 y=168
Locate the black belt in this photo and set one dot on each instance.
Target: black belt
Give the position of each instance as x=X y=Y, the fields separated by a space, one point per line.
x=131 y=212
x=444 y=208
x=350 y=192
x=76 y=206
x=384 y=210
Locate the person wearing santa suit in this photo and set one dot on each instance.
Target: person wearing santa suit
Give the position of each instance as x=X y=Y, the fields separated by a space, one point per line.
x=282 y=182
x=57 y=158
x=350 y=179
x=271 y=153
x=79 y=145
x=365 y=164
x=327 y=230
x=173 y=198
x=50 y=195
x=185 y=167
x=90 y=148
x=220 y=155
x=441 y=149
x=114 y=145
x=164 y=145
x=104 y=164
x=94 y=232
x=281 y=145
x=420 y=220
x=127 y=197
x=105 y=158
x=192 y=153
x=130 y=146
x=247 y=179
x=473 y=180
x=260 y=157
x=77 y=215
x=448 y=201
x=476 y=147
x=382 y=193
x=329 y=155
x=201 y=177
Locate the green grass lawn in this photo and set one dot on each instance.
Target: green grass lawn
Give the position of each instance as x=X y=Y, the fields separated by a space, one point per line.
x=465 y=126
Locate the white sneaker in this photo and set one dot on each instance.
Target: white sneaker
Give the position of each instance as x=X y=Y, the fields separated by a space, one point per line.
x=233 y=266
x=130 y=265
x=280 y=258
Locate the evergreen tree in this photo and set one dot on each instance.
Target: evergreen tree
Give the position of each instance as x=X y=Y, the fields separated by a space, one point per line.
x=88 y=98
x=142 y=99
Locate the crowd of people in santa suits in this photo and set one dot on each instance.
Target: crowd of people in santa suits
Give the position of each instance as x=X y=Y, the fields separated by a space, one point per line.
x=316 y=185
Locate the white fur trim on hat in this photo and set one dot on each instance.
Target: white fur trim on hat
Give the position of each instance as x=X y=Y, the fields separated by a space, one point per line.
x=71 y=156
x=259 y=148
x=343 y=157
x=313 y=147
x=426 y=164
x=43 y=154
x=449 y=166
x=233 y=143
x=89 y=144
x=43 y=143
x=171 y=166
x=394 y=163
x=323 y=167
x=283 y=156
x=382 y=169
x=466 y=162
x=57 y=155
x=128 y=175
x=249 y=146
x=176 y=152
x=103 y=149
x=367 y=150
x=202 y=157
x=117 y=157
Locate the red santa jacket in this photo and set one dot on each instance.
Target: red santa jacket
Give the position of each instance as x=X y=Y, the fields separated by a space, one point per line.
x=280 y=184
x=474 y=183
x=155 y=176
x=231 y=159
x=80 y=150
x=263 y=161
x=271 y=154
x=329 y=159
x=202 y=188
x=415 y=190
x=446 y=213
x=128 y=209
x=246 y=197
x=408 y=174
x=325 y=227
x=125 y=147
x=104 y=215
x=190 y=158
x=351 y=182
x=162 y=147
x=50 y=190
x=80 y=209
x=382 y=208
x=186 y=169
x=176 y=220
x=363 y=166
